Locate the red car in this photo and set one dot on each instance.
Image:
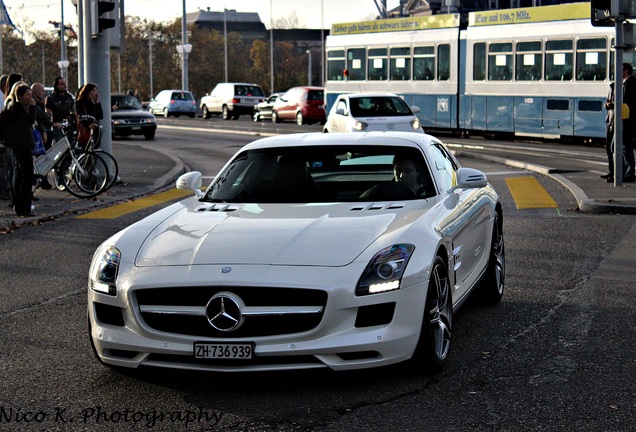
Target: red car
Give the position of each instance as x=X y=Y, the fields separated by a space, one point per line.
x=305 y=105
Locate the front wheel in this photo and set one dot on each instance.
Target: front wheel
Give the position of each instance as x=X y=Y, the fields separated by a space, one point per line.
x=166 y=114
x=89 y=176
x=113 y=168
x=434 y=344
x=300 y=120
x=206 y=112
x=226 y=114
x=274 y=117
x=149 y=136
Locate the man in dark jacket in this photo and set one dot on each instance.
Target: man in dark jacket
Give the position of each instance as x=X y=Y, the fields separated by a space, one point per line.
x=629 y=123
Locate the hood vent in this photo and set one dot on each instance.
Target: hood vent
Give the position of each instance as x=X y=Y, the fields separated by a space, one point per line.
x=378 y=206
x=217 y=208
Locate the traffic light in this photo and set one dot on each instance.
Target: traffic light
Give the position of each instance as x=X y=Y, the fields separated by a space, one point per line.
x=99 y=23
x=601 y=13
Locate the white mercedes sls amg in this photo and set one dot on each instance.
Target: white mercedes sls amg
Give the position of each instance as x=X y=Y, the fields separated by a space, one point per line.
x=310 y=250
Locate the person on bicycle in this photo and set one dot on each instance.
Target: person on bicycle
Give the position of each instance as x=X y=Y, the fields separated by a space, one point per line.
x=87 y=104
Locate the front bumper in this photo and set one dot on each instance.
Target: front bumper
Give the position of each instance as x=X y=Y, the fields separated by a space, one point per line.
x=351 y=332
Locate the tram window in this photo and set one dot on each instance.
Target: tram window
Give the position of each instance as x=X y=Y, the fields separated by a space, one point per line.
x=558 y=104
x=479 y=61
x=443 y=62
x=335 y=65
x=528 y=61
x=424 y=63
x=356 y=64
x=558 y=60
x=400 y=62
x=590 y=105
x=591 y=59
x=500 y=62
x=378 y=64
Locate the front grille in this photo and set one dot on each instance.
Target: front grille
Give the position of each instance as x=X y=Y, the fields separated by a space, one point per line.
x=306 y=360
x=181 y=310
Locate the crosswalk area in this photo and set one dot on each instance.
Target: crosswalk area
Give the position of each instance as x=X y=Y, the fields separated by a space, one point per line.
x=526 y=190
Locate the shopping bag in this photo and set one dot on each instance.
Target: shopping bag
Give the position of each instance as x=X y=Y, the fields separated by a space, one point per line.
x=39 y=149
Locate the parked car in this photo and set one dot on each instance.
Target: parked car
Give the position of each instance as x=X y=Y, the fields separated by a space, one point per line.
x=301 y=104
x=173 y=103
x=306 y=251
x=130 y=118
x=232 y=100
x=263 y=110
x=365 y=112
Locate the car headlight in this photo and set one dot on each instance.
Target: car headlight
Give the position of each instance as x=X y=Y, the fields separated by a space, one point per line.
x=415 y=124
x=360 y=125
x=385 y=270
x=104 y=269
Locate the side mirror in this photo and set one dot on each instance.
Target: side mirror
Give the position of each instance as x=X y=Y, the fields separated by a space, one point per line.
x=468 y=178
x=415 y=109
x=191 y=181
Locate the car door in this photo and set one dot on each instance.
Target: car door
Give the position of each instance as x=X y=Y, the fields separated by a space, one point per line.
x=339 y=121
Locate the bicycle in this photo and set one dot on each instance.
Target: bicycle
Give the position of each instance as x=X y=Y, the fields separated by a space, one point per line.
x=83 y=174
x=90 y=147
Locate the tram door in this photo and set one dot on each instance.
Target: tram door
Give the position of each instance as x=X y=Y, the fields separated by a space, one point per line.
x=558 y=118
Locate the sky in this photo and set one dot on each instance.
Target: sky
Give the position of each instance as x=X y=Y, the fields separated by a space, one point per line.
x=311 y=13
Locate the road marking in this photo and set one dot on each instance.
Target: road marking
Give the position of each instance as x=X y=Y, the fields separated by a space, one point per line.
x=133 y=206
x=528 y=193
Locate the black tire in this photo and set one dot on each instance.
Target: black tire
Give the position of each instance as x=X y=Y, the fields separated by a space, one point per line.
x=434 y=344
x=494 y=283
x=274 y=117
x=256 y=117
x=62 y=171
x=206 y=112
x=113 y=168
x=300 y=120
x=89 y=176
x=149 y=136
x=226 y=113
x=166 y=114
x=192 y=115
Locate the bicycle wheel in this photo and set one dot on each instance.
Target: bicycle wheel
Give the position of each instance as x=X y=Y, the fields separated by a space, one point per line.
x=89 y=176
x=62 y=170
x=113 y=168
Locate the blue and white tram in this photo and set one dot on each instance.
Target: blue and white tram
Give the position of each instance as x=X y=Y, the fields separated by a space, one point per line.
x=540 y=71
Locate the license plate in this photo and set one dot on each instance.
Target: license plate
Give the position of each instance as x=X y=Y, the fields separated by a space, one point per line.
x=136 y=128
x=232 y=351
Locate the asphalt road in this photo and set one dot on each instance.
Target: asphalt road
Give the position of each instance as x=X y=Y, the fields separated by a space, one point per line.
x=555 y=354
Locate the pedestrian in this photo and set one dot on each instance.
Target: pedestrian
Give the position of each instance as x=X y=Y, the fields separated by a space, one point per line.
x=12 y=80
x=44 y=124
x=88 y=104
x=138 y=95
x=629 y=122
x=3 y=84
x=20 y=140
x=609 y=135
x=60 y=104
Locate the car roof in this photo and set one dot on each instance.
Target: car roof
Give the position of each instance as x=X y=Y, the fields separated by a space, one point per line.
x=407 y=139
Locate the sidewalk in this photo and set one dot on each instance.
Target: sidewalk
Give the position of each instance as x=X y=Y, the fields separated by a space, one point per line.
x=142 y=174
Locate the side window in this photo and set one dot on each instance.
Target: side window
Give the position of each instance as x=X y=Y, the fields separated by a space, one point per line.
x=500 y=62
x=335 y=65
x=443 y=167
x=528 y=64
x=591 y=59
x=558 y=60
x=400 y=69
x=378 y=64
x=479 y=61
x=356 y=64
x=424 y=63
x=443 y=62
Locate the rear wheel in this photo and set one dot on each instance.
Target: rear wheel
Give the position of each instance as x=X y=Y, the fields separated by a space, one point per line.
x=493 y=284
x=434 y=344
x=300 y=119
x=113 y=168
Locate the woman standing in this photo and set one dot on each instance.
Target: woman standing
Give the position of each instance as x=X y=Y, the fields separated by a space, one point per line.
x=20 y=140
x=87 y=104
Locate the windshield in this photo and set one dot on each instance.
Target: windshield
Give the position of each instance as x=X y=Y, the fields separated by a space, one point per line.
x=379 y=106
x=322 y=174
x=125 y=102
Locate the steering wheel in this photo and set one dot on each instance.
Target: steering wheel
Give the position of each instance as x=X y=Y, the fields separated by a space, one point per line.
x=390 y=190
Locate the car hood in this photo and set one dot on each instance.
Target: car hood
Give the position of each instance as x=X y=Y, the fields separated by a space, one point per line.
x=303 y=234
x=127 y=113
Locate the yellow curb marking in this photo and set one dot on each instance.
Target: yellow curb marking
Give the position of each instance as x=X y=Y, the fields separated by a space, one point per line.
x=133 y=206
x=528 y=193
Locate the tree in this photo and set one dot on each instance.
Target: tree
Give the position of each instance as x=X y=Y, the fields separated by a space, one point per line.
x=291 y=21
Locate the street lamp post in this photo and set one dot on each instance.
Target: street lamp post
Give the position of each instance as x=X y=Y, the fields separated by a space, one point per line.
x=63 y=65
x=309 y=80
x=183 y=51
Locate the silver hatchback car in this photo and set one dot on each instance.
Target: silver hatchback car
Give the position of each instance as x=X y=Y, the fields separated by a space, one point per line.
x=366 y=112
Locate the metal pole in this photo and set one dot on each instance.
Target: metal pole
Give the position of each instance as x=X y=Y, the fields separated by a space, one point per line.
x=150 y=42
x=184 y=54
x=80 y=44
x=63 y=44
x=271 y=48
x=225 y=40
x=618 y=106
x=322 y=43
x=309 y=80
